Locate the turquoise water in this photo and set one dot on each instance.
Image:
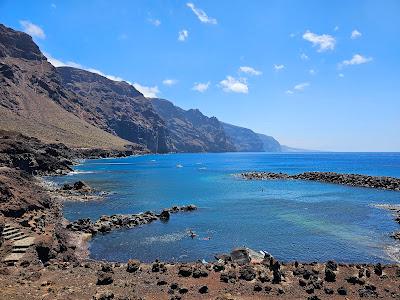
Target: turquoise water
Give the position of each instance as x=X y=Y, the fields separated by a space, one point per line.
x=293 y=220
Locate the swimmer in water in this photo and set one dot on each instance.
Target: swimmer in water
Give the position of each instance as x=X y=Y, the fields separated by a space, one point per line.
x=192 y=234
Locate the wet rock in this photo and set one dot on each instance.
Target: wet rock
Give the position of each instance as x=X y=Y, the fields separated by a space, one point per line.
x=104 y=278
x=164 y=215
x=342 y=291
x=240 y=256
x=247 y=273
x=203 y=289
x=133 y=265
x=185 y=271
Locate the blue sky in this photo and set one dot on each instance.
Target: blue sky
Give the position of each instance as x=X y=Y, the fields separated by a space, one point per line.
x=314 y=74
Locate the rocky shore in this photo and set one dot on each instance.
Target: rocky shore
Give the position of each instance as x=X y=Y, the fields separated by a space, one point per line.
x=40 y=252
x=377 y=182
x=108 y=223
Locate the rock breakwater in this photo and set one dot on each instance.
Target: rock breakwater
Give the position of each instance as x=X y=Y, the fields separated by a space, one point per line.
x=378 y=182
x=108 y=223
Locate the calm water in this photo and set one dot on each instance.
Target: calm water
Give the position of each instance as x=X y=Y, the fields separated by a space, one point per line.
x=293 y=220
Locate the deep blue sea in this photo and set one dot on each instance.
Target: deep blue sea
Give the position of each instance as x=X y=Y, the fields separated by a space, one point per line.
x=293 y=220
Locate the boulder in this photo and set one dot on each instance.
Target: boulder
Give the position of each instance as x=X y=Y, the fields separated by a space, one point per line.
x=104 y=278
x=133 y=265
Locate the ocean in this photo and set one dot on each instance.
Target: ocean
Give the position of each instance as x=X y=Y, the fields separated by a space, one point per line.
x=293 y=220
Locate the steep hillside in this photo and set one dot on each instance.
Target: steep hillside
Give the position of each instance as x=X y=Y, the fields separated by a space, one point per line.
x=190 y=130
x=29 y=89
x=269 y=143
x=246 y=140
x=116 y=107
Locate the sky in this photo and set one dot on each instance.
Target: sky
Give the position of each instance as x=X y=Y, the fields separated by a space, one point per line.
x=322 y=75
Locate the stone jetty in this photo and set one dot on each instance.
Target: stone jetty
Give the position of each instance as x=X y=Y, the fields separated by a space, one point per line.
x=377 y=182
x=108 y=223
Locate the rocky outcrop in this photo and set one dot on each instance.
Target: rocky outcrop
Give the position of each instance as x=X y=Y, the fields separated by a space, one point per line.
x=378 y=182
x=108 y=223
x=190 y=130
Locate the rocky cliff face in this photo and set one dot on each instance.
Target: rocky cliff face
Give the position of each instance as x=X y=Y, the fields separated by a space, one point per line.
x=116 y=107
x=190 y=130
x=246 y=140
x=29 y=92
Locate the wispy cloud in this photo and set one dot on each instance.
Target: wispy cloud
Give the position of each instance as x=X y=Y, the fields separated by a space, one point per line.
x=341 y=75
x=201 y=87
x=357 y=59
x=53 y=5
x=312 y=72
x=304 y=56
x=355 y=34
x=169 y=82
x=231 y=84
x=336 y=28
x=150 y=92
x=32 y=29
x=183 y=35
x=301 y=86
x=324 y=42
x=155 y=22
x=279 y=67
x=298 y=88
x=250 y=71
x=147 y=91
x=201 y=14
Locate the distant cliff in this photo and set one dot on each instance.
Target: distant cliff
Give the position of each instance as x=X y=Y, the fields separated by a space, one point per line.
x=246 y=140
x=190 y=130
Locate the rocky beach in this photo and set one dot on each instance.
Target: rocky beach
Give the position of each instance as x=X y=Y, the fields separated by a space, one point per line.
x=43 y=255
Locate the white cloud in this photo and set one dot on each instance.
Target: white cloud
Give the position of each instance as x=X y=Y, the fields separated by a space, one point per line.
x=341 y=75
x=155 y=22
x=147 y=91
x=183 y=35
x=301 y=86
x=169 y=82
x=201 y=14
x=355 y=34
x=279 y=67
x=231 y=84
x=357 y=59
x=289 y=92
x=201 y=87
x=324 y=42
x=312 y=72
x=304 y=56
x=336 y=28
x=292 y=35
x=249 y=70
x=32 y=29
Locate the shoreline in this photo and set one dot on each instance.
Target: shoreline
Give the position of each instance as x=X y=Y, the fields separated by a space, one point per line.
x=57 y=265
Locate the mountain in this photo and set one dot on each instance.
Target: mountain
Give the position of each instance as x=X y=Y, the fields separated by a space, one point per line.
x=114 y=106
x=269 y=143
x=30 y=90
x=246 y=140
x=190 y=130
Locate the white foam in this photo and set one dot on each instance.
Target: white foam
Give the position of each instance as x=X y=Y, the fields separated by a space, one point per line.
x=166 y=238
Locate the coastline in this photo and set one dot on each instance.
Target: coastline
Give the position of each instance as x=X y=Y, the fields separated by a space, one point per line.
x=57 y=266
